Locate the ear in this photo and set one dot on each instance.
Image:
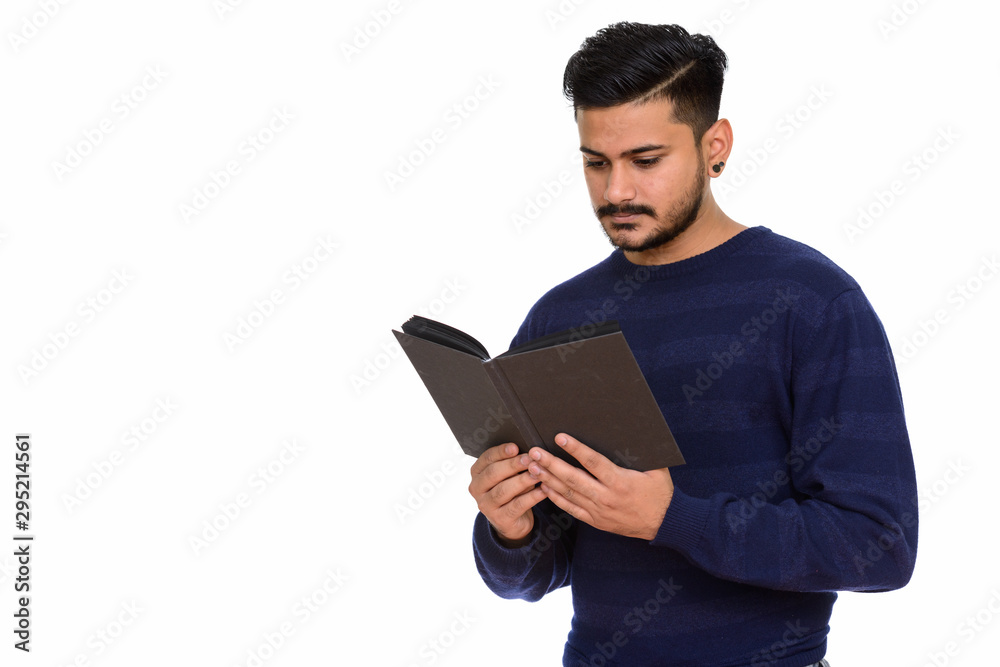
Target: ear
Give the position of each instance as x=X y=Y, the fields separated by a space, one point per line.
x=716 y=145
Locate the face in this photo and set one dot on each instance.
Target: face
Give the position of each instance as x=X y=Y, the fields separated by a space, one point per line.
x=645 y=174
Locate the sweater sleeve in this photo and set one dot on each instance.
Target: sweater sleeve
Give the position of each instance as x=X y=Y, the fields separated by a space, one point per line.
x=530 y=571
x=839 y=512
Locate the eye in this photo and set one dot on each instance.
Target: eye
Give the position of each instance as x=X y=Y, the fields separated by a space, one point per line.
x=593 y=164
x=647 y=162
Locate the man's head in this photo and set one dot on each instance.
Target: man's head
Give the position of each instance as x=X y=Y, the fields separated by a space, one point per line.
x=636 y=62
x=646 y=99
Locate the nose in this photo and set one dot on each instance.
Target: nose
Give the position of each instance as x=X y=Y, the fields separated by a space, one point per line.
x=620 y=187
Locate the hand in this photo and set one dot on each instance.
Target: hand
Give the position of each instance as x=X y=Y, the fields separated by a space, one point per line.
x=505 y=492
x=611 y=498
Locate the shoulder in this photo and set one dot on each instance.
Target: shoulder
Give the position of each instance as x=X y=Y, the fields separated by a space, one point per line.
x=829 y=313
x=800 y=276
x=781 y=258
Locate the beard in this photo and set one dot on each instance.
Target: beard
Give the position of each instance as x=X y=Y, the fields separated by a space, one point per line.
x=673 y=223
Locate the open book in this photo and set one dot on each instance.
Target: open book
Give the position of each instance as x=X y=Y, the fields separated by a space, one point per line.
x=584 y=382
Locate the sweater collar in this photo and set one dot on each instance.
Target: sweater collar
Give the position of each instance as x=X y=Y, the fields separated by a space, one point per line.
x=622 y=266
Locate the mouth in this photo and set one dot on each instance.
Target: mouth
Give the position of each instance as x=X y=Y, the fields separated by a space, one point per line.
x=626 y=219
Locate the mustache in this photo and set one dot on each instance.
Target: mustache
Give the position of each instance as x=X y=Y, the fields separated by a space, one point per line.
x=625 y=209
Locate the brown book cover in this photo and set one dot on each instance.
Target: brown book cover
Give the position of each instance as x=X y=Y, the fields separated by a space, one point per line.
x=589 y=386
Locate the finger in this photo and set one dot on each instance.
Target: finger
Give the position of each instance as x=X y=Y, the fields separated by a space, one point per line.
x=504 y=492
x=545 y=466
x=559 y=486
x=596 y=463
x=497 y=472
x=566 y=505
x=492 y=455
x=524 y=502
x=513 y=521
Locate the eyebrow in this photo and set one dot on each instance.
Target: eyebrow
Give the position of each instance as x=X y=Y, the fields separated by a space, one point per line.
x=631 y=151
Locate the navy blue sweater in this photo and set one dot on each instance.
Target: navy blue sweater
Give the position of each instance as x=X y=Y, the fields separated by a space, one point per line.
x=776 y=378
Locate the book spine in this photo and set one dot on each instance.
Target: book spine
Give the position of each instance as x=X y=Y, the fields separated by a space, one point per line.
x=514 y=406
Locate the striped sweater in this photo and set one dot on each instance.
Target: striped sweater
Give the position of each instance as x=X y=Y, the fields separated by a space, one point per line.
x=776 y=378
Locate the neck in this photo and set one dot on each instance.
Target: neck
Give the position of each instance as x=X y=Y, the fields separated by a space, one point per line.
x=711 y=228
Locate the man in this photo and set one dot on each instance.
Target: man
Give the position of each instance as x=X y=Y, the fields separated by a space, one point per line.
x=768 y=363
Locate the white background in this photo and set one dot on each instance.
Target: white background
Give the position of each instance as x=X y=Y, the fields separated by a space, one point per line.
x=321 y=369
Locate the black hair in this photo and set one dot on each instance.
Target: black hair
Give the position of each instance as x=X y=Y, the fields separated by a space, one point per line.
x=636 y=62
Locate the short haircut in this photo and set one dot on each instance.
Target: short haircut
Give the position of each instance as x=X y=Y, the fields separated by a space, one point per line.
x=636 y=62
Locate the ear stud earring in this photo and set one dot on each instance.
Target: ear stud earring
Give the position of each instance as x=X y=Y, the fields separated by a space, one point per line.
x=717 y=167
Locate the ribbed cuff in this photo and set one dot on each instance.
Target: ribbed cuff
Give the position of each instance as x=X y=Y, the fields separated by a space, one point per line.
x=684 y=523
x=497 y=554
